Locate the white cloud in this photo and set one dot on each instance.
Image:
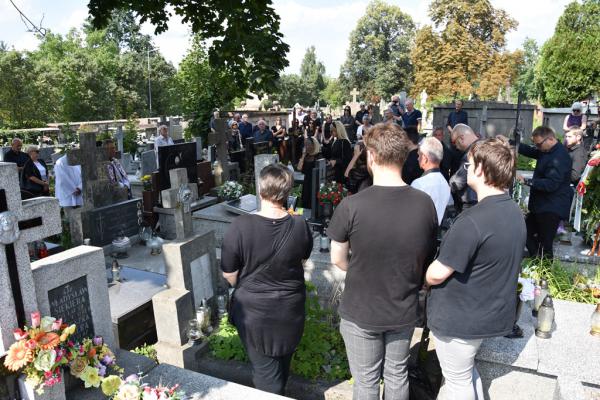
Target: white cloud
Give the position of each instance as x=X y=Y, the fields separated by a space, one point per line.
x=173 y=43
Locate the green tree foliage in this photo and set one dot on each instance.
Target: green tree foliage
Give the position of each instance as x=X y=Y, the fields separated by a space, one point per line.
x=201 y=88
x=526 y=79
x=312 y=73
x=464 y=54
x=334 y=94
x=568 y=69
x=84 y=75
x=247 y=44
x=378 y=60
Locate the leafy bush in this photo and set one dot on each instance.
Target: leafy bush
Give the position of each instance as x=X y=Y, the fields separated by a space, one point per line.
x=147 y=350
x=320 y=354
x=525 y=163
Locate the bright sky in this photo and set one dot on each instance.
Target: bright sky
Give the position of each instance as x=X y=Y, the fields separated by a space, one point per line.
x=324 y=24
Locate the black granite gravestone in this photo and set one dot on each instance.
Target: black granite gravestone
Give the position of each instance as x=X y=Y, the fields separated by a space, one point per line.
x=177 y=156
x=71 y=302
x=104 y=224
x=261 y=148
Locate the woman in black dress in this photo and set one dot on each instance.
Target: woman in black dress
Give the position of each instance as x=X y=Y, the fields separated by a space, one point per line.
x=341 y=151
x=305 y=165
x=35 y=175
x=262 y=256
x=349 y=124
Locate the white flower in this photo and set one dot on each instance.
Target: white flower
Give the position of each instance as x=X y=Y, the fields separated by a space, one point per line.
x=46 y=323
x=527 y=293
x=128 y=392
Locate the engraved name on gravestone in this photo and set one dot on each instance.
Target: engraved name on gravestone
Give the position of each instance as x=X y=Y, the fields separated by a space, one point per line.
x=181 y=155
x=102 y=225
x=71 y=302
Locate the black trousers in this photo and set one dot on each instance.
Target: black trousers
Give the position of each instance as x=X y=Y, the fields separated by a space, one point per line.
x=541 y=230
x=269 y=374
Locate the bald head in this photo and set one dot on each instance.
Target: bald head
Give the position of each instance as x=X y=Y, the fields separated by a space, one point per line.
x=463 y=136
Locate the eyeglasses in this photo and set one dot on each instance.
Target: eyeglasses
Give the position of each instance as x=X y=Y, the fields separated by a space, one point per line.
x=466 y=165
x=576 y=110
x=539 y=145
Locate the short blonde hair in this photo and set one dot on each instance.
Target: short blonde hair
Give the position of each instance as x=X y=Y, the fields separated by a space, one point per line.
x=275 y=183
x=32 y=147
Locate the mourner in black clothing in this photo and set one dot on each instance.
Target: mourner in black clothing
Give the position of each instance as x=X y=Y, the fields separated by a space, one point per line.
x=411 y=169
x=34 y=177
x=341 y=151
x=262 y=257
x=15 y=155
x=550 y=190
x=446 y=163
x=305 y=165
x=577 y=152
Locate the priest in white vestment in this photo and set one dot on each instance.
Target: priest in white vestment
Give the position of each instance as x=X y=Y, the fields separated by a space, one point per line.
x=68 y=183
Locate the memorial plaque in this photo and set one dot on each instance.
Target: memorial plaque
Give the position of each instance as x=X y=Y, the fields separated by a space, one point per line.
x=204 y=170
x=177 y=156
x=71 y=302
x=261 y=148
x=202 y=280
x=148 y=163
x=102 y=225
x=240 y=158
x=244 y=205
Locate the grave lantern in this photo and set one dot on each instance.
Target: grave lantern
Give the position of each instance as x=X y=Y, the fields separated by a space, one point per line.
x=545 y=319
x=540 y=294
x=194 y=333
x=596 y=322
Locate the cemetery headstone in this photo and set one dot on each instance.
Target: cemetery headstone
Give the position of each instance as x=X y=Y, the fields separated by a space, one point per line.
x=192 y=275
x=148 y=162
x=179 y=198
x=177 y=156
x=46 y=153
x=198 y=142
x=119 y=137
x=240 y=158
x=261 y=148
x=354 y=105
x=220 y=139
x=127 y=162
x=72 y=285
x=319 y=176
x=22 y=223
x=206 y=177
x=103 y=224
x=261 y=161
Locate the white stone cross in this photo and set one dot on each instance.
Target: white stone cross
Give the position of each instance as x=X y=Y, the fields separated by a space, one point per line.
x=20 y=223
x=354 y=93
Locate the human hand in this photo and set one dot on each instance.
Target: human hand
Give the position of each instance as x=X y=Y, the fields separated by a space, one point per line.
x=520 y=178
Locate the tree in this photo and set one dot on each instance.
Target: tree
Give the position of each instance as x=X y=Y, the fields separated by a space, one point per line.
x=292 y=89
x=334 y=94
x=312 y=72
x=202 y=88
x=246 y=42
x=465 y=53
x=378 y=60
x=526 y=80
x=568 y=68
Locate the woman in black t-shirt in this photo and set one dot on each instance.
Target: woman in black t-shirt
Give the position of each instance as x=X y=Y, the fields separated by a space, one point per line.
x=341 y=151
x=262 y=256
x=305 y=165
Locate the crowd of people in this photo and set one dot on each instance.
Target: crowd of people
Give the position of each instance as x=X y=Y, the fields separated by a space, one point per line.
x=386 y=236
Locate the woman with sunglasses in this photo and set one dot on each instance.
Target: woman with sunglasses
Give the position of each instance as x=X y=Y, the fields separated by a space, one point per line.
x=575 y=120
x=35 y=175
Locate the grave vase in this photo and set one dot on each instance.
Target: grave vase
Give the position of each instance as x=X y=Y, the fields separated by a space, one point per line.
x=55 y=392
x=327 y=210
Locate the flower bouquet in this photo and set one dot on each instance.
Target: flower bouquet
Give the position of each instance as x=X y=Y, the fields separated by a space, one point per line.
x=91 y=360
x=146 y=182
x=332 y=193
x=132 y=388
x=231 y=190
x=40 y=351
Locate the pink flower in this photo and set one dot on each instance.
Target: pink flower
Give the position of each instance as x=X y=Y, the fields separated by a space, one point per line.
x=36 y=318
x=19 y=334
x=31 y=344
x=56 y=324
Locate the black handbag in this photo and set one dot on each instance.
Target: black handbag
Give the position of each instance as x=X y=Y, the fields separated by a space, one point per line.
x=262 y=267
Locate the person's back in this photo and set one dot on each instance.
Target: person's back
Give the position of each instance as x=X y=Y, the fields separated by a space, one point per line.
x=386 y=268
x=436 y=186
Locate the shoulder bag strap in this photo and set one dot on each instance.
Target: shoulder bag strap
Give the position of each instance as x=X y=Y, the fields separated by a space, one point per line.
x=286 y=236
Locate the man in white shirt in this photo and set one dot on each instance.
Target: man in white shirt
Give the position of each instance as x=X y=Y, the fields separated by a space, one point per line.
x=362 y=129
x=432 y=181
x=163 y=138
x=68 y=183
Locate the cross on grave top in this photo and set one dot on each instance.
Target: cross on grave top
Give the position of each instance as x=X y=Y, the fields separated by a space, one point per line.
x=20 y=223
x=180 y=197
x=220 y=138
x=97 y=189
x=354 y=93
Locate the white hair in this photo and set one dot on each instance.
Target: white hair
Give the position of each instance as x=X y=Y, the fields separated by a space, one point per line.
x=409 y=100
x=432 y=148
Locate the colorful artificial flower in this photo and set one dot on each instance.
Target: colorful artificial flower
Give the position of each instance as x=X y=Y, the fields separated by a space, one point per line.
x=35 y=319
x=78 y=365
x=48 y=340
x=110 y=385
x=90 y=377
x=20 y=334
x=128 y=392
x=45 y=360
x=47 y=323
x=57 y=324
x=18 y=356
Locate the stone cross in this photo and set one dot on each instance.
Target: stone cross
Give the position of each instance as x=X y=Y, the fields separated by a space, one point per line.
x=180 y=197
x=119 y=137
x=354 y=93
x=20 y=223
x=261 y=161
x=219 y=138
